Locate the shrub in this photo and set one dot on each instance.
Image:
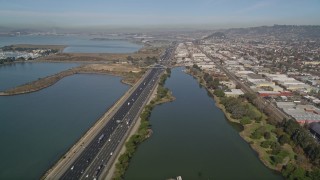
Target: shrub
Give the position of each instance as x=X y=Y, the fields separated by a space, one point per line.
x=267 y=135
x=258 y=133
x=245 y=120
x=283 y=139
x=266 y=144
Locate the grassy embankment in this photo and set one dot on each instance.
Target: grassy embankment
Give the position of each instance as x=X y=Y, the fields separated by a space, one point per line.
x=145 y=56
x=126 y=65
x=163 y=95
x=129 y=73
x=276 y=148
x=30 y=47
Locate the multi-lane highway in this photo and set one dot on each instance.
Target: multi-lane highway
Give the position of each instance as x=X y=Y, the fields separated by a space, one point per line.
x=102 y=150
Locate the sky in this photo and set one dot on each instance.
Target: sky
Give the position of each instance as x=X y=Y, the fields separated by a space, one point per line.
x=202 y=13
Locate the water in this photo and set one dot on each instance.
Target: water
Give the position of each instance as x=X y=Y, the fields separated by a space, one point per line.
x=75 y=43
x=16 y=74
x=38 y=128
x=193 y=139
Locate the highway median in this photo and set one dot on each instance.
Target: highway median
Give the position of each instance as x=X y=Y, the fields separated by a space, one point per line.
x=144 y=131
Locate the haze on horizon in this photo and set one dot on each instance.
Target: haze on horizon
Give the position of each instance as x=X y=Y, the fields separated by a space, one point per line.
x=156 y=13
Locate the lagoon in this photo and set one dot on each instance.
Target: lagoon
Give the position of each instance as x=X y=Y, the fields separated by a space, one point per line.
x=15 y=74
x=75 y=43
x=193 y=139
x=38 y=128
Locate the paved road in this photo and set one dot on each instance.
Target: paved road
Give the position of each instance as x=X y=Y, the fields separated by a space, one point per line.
x=262 y=103
x=100 y=152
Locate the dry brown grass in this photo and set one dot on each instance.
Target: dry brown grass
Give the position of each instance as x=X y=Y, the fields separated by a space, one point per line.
x=31 y=46
x=111 y=67
x=104 y=57
x=129 y=73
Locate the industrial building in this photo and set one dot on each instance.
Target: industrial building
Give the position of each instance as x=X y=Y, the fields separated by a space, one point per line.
x=301 y=113
x=315 y=130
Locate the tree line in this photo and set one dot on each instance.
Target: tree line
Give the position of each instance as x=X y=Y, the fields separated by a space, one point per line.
x=287 y=132
x=143 y=131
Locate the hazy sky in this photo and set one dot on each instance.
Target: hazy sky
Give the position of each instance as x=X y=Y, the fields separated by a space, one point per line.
x=220 y=13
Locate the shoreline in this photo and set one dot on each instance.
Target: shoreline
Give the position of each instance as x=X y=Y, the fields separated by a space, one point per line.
x=68 y=157
x=123 y=149
x=129 y=75
x=39 y=84
x=230 y=119
x=273 y=143
x=118 y=169
x=48 y=81
x=241 y=133
x=143 y=52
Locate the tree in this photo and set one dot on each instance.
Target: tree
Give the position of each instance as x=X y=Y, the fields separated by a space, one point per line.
x=206 y=76
x=253 y=113
x=245 y=120
x=196 y=67
x=276 y=148
x=21 y=59
x=267 y=135
x=315 y=174
x=238 y=112
x=219 y=93
x=250 y=96
x=284 y=138
x=212 y=84
x=129 y=58
x=298 y=174
x=291 y=126
x=279 y=157
x=258 y=133
x=168 y=70
x=265 y=144
x=287 y=170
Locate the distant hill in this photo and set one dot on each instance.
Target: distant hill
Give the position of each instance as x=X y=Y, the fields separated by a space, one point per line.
x=216 y=35
x=279 y=31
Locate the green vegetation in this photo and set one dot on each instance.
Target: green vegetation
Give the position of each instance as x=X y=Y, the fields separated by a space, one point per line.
x=283 y=139
x=132 y=77
x=290 y=160
x=301 y=137
x=250 y=97
x=27 y=49
x=134 y=141
x=245 y=120
x=294 y=172
x=258 y=133
x=143 y=61
x=219 y=93
x=238 y=108
x=144 y=129
x=286 y=147
x=196 y=67
x=267 y=144
x=7 y=60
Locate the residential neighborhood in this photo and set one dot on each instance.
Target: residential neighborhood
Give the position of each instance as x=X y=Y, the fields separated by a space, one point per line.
x=294 y=91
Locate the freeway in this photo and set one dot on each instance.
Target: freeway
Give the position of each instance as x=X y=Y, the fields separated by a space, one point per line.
x=262 y=103
x=99 y=154
x=121 y=130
